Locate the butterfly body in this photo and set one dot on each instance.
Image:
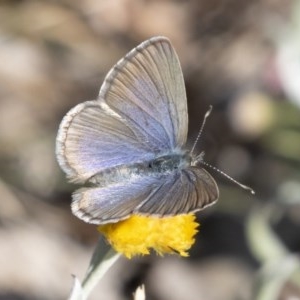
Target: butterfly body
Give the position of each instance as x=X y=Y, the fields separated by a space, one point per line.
x=158 y=166
x=130 y=142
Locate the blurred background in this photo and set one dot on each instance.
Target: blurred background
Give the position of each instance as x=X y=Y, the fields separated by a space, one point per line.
x=242 y=57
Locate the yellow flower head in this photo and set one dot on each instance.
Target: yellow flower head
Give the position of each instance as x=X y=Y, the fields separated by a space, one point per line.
x=138 y=234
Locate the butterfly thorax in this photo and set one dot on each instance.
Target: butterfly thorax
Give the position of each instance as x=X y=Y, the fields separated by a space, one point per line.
x=169 y=163
x=161 y=165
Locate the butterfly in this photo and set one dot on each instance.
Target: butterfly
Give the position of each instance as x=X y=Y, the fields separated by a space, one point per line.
x=129 y=145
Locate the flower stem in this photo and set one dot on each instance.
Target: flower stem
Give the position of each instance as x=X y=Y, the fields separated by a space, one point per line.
x=103 y=258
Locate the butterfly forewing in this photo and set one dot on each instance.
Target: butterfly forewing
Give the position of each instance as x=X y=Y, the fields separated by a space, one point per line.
x=147 y=89
x=141 y=112
x=92 y=138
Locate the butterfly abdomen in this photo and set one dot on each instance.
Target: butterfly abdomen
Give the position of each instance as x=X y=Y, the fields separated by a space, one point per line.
x=159 y=166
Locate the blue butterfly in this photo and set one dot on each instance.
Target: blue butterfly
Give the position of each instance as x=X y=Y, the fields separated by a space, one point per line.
x=129 y=143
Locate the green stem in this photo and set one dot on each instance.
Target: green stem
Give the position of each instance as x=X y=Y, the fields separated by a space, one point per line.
x=103 y=258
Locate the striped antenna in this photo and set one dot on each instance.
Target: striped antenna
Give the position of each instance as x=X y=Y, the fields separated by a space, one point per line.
x=202 y=127
x=245 y=187
x=199 y=158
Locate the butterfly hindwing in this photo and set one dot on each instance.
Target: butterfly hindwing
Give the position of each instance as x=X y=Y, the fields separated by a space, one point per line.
x=180 y=192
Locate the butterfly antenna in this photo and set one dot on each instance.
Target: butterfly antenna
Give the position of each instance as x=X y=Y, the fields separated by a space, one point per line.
x=202 y=127
x=245 y=187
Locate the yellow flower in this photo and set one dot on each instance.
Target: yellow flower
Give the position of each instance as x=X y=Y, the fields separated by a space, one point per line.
x=138 y=234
